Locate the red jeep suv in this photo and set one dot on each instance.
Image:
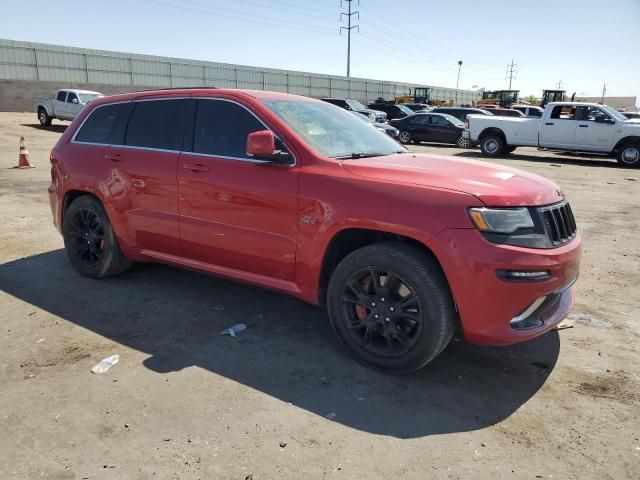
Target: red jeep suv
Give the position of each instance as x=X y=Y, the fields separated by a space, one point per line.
x=297 y=195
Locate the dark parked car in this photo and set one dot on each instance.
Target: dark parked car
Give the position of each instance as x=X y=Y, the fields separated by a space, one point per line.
x=355 y=106
x=460 y=113
x=418 y=107
x=393 y=111
x=393 y=132
x=431 y=127
x=507 y=112
x=631 y=115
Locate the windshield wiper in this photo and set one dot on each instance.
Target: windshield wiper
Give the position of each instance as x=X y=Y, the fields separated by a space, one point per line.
x=356 y=155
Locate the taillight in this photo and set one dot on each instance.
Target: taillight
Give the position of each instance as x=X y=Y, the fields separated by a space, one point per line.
x=466 y=123
x=52 y=158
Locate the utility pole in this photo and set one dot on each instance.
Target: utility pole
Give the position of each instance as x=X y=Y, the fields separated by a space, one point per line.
x=512 y=69
x=348 y=28
x=604 y=92
x=458 y=82
x=559 y=85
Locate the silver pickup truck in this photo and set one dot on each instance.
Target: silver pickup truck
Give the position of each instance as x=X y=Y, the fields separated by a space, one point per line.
x=582 y=128
x=65 y=104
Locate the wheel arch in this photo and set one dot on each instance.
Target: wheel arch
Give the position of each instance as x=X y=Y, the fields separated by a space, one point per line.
x=347 y=240
x=628 y=139
x=492 y=131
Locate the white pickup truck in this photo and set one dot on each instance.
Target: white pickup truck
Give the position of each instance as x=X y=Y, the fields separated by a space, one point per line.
x=587 y=128
x=65 y=104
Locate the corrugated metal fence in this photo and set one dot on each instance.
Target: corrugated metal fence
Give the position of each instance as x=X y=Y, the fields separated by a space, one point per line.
x=69 y=65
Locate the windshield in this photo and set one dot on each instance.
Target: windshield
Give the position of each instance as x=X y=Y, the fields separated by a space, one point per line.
x=332 y=131
x=614 y=113
x=356 y=105
x=406 y=109
x=87 y=97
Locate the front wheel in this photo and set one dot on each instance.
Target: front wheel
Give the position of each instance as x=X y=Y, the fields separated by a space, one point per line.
x=91 y=243
x=492 y=146
x=462 y=142
x=404 y=137
x=628 y=155
x=391 y=307
x=43 y=117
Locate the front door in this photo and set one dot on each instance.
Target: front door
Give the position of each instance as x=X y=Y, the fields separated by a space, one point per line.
x=595 y=129
x=60 y=104
x=235 y=212
x=559 y=129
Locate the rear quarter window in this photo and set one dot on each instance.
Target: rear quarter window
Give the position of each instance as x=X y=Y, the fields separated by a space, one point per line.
x=105 y=125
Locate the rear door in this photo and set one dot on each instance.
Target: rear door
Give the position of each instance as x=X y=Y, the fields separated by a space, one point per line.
x=442 y=130
x=235 y=212
x=558 y=130
x=144 y=174
x=59 y=104
x=595 y=129
x=419 y=126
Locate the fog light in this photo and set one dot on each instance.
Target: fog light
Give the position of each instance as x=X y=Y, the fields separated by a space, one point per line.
x=523 y=274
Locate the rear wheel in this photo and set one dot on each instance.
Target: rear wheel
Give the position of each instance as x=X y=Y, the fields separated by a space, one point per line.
x=91 y=244
x=404 y=137
x=390 y=305
x=628 y=155
x=43 y=117
x=492 y=145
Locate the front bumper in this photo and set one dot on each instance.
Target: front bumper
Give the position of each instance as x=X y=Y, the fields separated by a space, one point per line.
x=495 y=311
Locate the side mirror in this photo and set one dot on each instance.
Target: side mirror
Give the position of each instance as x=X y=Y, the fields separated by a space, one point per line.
x=74 y=100
x=261 y=145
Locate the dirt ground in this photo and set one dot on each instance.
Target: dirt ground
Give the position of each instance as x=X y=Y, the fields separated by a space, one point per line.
x=282 y=400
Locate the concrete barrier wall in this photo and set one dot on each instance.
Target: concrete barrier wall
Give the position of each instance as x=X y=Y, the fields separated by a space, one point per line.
x=17 y=95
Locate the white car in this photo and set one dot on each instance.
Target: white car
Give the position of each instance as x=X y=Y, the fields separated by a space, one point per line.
x=65 y=104
x=576 y=127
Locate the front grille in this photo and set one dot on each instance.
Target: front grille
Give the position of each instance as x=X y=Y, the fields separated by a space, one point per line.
x=559 y=223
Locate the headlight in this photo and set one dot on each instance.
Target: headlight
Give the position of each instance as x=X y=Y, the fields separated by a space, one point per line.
x=381 y=130
x=372 y=116
x=500 y=220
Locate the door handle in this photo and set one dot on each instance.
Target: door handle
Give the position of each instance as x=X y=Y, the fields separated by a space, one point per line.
x=549 y=123
x=195 y=167
x=583 y=126
x=114 y=157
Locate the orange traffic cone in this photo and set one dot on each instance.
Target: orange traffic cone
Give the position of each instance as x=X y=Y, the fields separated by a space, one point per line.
x=23 y=158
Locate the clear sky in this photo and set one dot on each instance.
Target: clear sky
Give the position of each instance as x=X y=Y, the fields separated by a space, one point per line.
x=583 y=44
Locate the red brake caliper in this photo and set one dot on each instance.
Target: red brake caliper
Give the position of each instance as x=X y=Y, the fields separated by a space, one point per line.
x=361 y=312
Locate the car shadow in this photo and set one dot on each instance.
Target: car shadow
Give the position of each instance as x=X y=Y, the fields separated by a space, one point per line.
x=558 y=158
x=51 y=128
x=288 y=351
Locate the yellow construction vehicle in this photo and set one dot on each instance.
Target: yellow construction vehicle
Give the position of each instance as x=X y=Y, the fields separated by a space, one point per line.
x=549 y=96
x=419 y=95
x=503 y=98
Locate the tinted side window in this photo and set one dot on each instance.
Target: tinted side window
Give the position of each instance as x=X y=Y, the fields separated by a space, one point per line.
x=221 y=128
x=155 y=124
x=71 y=96
x=106 y=125
x=61 y=96
x=563 y=112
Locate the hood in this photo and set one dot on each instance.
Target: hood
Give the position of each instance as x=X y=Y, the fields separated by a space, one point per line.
x=377 y=113
x=494 y=185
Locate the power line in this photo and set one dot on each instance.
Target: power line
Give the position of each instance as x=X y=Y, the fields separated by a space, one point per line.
x=512 y=69
x=348 y=28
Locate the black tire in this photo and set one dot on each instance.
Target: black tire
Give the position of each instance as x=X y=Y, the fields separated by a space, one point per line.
x=404 y=137
x=462 y=142
x=415 y=321
x=492 y=145
x=91 y=244
x=43 y=117
x=628 y=155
